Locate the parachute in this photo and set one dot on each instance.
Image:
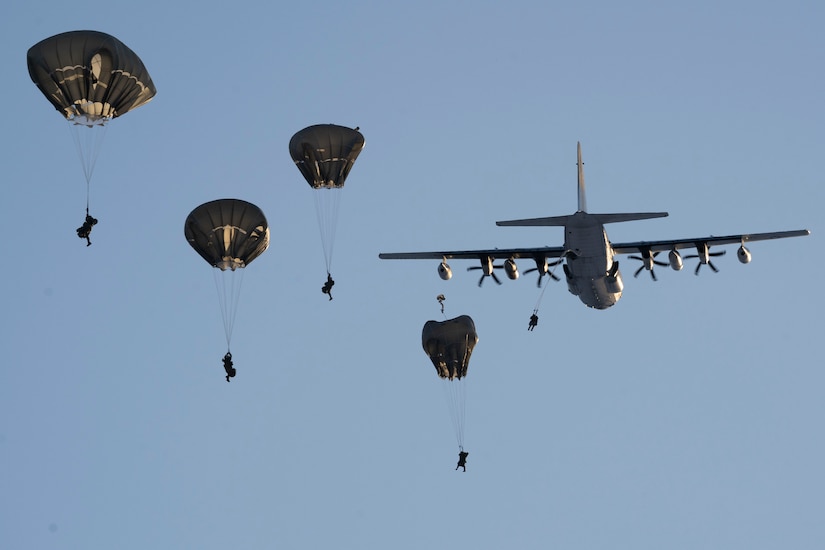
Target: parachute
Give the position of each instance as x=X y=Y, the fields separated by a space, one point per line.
x=228 y=234
x=449 y=345
x=90 y=78
x=324 y=154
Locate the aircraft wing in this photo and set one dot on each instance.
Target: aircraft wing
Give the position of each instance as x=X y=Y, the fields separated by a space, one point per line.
x=619 y=248
x=495 y=253
x=676 y=244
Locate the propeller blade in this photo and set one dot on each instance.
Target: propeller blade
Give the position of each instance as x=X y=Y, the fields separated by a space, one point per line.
x=550 y=273
x=644 y=265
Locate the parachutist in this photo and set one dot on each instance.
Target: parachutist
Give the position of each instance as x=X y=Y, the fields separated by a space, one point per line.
x=86 y=229
x=83 y=109
x=227 y=366
x=441 y=299
x=534 y=320
x=327 y=288
x=462 y=460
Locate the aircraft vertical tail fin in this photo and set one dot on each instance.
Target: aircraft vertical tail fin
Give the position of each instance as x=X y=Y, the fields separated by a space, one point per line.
x=602 y=218
x=580 y=164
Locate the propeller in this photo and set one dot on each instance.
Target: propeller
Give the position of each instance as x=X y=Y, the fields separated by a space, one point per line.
x=543 y=268
x=487 y=268
x=485 y=275
x=648 y=261
x=704 y=255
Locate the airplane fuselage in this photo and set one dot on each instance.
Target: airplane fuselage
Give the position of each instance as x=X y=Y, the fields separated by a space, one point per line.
x=591 y=272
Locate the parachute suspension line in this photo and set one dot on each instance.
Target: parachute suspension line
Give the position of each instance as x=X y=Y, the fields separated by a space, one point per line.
x=455 y=394
x=88 y=142
x=538 y=301
x=543 y=288
x=228 y=285
x=327 y=205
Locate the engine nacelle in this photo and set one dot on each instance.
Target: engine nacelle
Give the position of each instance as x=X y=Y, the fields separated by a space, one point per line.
x=675 y=260
x=444 y=271
x=511 y=269
x=743 y=254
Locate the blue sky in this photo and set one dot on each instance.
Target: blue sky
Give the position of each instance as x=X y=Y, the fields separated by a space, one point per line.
x=687 y=416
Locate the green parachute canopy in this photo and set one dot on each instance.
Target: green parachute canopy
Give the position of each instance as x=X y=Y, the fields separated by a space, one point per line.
x=449 y=345
x=227 y=233
x=90 y=77
x=325 y=153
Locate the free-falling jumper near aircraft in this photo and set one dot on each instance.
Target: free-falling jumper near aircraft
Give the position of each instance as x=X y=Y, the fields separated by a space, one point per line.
x=588 y=256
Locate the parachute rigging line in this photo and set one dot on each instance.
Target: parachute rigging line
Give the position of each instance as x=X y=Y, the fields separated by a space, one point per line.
x=327 y=206
x=457 y=401
x=455 y=394
x=228 y=284
x=543 y=288
x=88 y=146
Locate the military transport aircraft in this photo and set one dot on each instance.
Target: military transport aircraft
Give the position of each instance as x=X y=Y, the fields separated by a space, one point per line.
x=589 y=266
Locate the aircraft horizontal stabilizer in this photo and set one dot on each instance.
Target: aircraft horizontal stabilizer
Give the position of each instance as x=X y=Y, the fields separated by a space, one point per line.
x=614 y=218
x=551 y=221
x=567 y=220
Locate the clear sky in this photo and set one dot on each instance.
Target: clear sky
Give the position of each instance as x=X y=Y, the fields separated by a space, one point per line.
x=687 y=416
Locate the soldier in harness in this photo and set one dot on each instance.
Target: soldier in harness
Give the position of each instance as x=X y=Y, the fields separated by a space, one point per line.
x=86 y=229
x=327 y=288
x=462 y=460
x=227 y=366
